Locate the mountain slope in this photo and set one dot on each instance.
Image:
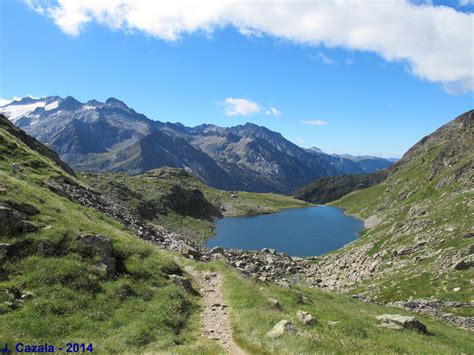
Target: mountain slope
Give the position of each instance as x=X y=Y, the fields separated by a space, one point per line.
x=68 y=273
x=329 y=189
x=420 y=224
x=111 y=136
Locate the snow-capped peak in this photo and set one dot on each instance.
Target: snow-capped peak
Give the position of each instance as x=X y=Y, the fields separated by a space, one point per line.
x=19 y=108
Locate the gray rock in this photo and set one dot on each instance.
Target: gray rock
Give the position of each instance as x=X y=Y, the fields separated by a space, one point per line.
x=27 y=295
x=306 y=318
x=299 y=299
x=398 y=322
x=98 y=244
x=23 y=207
x=182 y=282
x=281 y=328
x=13 y=222
x=189 y=252
x=3 y=190
x=217 y=250
x=284 y=283
x=465 y=264
x=274 y=303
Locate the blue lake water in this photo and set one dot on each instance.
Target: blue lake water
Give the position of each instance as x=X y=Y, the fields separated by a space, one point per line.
x=299 y=231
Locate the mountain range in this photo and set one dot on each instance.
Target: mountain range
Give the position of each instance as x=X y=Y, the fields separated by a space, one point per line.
x=110 y=136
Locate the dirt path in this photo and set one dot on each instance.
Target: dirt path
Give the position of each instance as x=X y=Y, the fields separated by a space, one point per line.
x=214 y=317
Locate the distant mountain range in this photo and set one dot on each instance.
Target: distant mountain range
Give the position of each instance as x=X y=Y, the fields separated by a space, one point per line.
x=110 y=136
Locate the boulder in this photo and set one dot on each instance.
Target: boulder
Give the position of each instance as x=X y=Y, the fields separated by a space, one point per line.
x=306 y=318
x=23 y=207
x=284 y=283
x=217 y=250
x=299 y=299
x=398 y=322
x=101 y=245
x=465 y=263
x=182 y=282
x=281 y=328
x=13 y=222
x=274 y=303
x=27 y=295
x=189 y=252
x=96 y=244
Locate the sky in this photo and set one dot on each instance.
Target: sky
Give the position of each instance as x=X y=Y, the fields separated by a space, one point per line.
x=358 y=77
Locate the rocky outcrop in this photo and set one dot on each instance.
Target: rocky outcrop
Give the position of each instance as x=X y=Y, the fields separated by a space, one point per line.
x=90 y=245
x=182 y=282
x=399 y=322
x=437 y=308
x=93 y=199
x=22 y=207
x=190 y=202
x=14 y=222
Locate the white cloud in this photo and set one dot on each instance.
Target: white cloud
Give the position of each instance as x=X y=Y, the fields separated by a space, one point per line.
x=240 y=107
x=466 y=2
x=300 y=141
x=4 y=102
x=273 y=111
x=313 y=122
x=323 y=58
x=436 y=42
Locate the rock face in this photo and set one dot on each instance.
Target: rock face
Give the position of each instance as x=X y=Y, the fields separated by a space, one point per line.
x=306 y=318
x=281 y=328
x=190 y=203
x=399 y=322
x=14 y=222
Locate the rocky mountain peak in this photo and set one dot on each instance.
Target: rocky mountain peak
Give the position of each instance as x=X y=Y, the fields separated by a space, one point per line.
x=113 y=102
x=69 y=104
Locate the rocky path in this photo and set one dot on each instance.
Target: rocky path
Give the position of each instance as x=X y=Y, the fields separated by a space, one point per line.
x=214 y=317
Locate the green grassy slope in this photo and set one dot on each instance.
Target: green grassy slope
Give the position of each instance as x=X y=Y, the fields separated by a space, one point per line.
x=50 y=291
x=344 y=325
x=421 y=220
x=146 y=194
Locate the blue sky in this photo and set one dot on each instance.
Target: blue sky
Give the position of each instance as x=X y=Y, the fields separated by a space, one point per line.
x=340 y=98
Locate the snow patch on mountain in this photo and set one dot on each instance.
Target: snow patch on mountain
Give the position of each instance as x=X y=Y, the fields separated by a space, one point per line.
x=15 y=110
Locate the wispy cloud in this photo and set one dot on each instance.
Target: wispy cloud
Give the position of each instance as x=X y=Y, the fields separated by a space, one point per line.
x=240 y=107
x=300 y=141
x=466 y=2
x=323 y=58
x=314 y=122
x=273 y=111
x=418 y=34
